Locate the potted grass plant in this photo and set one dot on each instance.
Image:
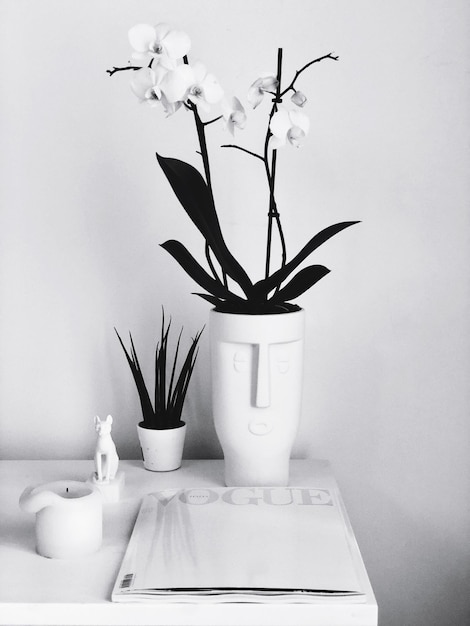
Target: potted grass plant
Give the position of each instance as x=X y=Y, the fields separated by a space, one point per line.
x=162 y=431
x=256 y=327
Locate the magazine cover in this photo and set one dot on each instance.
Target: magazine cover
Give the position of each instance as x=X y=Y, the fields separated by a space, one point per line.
x=253 y=544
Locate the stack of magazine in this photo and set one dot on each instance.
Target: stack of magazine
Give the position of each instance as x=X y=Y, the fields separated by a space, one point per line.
x=248 y=544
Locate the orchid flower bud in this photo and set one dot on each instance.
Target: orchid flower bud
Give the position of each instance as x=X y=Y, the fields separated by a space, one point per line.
x=298 y=98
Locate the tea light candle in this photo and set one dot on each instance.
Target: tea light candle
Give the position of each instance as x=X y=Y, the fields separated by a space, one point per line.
x=69 y=518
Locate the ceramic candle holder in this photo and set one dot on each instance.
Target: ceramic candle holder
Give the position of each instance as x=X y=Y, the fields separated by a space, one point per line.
x=69 y=518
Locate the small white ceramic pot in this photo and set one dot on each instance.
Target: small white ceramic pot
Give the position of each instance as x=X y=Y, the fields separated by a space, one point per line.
x=256 y=363
x=162 y=450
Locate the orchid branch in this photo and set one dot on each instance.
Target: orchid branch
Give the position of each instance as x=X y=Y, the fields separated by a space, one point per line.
x=231 y=145
x=216 y=119
x=298 y=72
x=123 y=69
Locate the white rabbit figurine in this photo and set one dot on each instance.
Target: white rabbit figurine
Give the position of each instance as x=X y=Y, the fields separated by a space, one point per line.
x=106 y=458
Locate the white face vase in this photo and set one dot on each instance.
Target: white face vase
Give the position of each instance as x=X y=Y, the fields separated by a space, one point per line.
x=256 y=392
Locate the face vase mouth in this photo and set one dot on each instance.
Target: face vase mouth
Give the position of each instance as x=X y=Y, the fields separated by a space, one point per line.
x=260 y=428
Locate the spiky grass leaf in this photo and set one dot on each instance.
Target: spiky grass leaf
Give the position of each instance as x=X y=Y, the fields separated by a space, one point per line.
x=173 y=369
x=145 y=402
x=162 y=365
x=178 y=408
x=179 y=393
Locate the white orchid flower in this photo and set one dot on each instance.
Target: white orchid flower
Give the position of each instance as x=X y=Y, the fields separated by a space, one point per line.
x=146 y=84
x=205 y=89
x=192 y=83
x=170 y=107
x=298 y=98
x=177 y=83
x=233 y=114
x=288 y=127
x=160 y=42
x=265 y=83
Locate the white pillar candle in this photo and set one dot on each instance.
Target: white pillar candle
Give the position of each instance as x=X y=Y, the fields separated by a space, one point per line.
x=69 y=518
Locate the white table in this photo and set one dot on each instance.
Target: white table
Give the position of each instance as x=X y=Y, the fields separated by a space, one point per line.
x=35 y=590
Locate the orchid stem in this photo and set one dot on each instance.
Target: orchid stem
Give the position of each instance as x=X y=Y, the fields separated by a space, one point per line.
x=205 y=160
x=207 y=171
x=271 y=175
x=273 y=213
x=203 y=145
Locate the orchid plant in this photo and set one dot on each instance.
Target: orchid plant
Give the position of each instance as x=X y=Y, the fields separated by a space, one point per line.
x=163 y=76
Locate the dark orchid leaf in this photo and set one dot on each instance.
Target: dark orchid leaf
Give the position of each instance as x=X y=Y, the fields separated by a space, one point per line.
x=194 y=196
x=193 y=193
x=247 y=307
x=212 y=299
x=193 y=269
x=268 y=284
x=302 y=281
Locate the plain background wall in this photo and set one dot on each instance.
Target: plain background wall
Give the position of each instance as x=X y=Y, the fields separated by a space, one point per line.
x=84 y=207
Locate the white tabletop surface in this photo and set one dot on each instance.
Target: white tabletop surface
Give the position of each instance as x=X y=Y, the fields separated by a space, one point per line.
x=35 y=590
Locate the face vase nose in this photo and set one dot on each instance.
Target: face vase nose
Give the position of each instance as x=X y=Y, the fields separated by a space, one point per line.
x=262 y=379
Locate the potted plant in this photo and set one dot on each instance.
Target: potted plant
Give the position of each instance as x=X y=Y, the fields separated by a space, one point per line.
x=256 y=329
x=162 y=431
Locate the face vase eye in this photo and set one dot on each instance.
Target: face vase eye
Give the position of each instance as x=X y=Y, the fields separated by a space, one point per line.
x=282 y=362
x=240 y=362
